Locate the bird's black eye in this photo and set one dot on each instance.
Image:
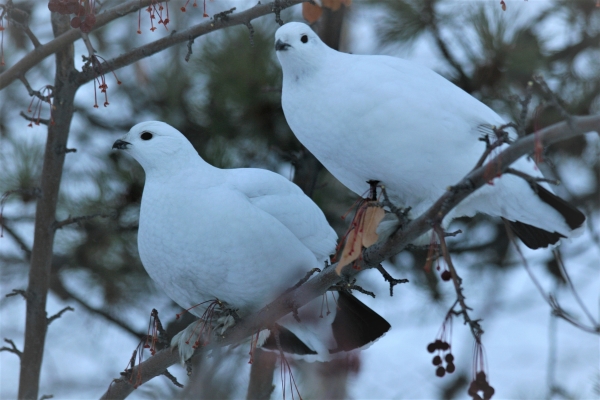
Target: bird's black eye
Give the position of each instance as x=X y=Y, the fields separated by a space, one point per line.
x=304 y=39
x=146 y=136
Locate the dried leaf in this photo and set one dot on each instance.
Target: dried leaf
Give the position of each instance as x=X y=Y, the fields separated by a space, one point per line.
x=352 y=249
x=311 y=12
x=370 y=222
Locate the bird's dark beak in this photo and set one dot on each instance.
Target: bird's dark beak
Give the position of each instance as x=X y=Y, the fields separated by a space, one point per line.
x=281 y=46
x=121 y=145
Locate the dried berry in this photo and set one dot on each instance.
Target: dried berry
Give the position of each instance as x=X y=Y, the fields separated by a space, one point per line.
x=450 y=368
x=431 y=347
x=75 y=22
x=440 y=371
x=90 y=20
x=481 y=378
x=446 y=276
x=449 y=358
x=438 y=344
x=488 y=392
x=72 y=8
x=444 y=346
x=437 y=360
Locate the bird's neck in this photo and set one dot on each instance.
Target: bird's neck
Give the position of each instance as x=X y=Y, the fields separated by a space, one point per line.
x=175 y=167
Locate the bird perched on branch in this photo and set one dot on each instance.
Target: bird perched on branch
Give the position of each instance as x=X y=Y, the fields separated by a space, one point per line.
x=235 y=239
x=380 y=118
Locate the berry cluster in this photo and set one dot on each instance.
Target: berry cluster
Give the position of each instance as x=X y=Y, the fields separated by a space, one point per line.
x=85 y=19
x=442 y=347
x=480 y=384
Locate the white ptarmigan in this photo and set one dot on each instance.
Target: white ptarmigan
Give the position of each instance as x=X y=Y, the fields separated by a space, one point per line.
x=386 y=119
x=242 y=236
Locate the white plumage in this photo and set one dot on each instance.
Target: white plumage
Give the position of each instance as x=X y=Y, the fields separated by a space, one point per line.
x=387 y=119
x=242 y=236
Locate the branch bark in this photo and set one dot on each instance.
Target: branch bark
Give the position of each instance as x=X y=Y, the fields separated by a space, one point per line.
x=372 y=256
x=36 y=322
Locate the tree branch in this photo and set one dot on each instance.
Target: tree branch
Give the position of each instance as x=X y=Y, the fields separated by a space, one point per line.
x=12 y=349
x=36 y=323
x=34 y=57
x=372 y=257
x=184 y=36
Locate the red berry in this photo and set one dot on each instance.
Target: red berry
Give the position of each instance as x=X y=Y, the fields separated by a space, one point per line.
x=72 y=8
x=488 y=392
x=446 y=276
x=90 y=20
x=431 y=347
x=54 y=6
x=75 y=22
x=85 y=27
x=440 y=371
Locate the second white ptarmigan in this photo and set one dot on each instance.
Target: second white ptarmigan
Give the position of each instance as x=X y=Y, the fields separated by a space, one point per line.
x=242 y=236
x=386 y=119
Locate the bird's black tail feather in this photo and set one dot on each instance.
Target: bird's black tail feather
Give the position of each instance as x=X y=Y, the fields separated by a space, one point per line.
x=356 y=325
x=534 y=237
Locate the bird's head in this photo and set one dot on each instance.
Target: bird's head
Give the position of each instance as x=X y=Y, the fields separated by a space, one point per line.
x=298 y=48
x=156 y=145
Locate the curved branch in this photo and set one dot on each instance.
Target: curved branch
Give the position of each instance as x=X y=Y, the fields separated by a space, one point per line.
x=186 y=36
x=372 y=257
x=34 y=57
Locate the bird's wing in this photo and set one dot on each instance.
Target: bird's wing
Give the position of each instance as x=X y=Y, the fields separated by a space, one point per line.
x=285 y=201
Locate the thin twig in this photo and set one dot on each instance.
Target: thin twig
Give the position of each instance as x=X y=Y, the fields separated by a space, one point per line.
x=172 y=378
x=75 y=220
x=189 y=47
x=37 y=93
x=88 y=44
x=20 y=241
x=303 y=280
x=531 y=179
x=476 y=329
x=525 y=108
x=567 y=278
x=59 y=314
x=37 y=121
x=17 y=292
x=12 y=349
x=388 y=278
x=552 y=302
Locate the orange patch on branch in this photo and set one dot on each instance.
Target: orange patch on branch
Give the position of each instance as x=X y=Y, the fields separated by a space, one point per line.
x=362 y=233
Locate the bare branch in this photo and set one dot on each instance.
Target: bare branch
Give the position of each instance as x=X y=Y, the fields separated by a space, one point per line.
x=223 y=21
x=59 y=314
x=476 y=329
x=372 y=256
x=12 y=349
x=47 y=396
x=76 y=220
x=20 y=241
x=37 y=121
x=563 y=272
x=34 y=57
x=17 y=292
x=172 y=378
